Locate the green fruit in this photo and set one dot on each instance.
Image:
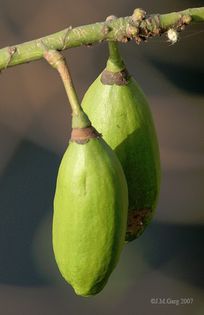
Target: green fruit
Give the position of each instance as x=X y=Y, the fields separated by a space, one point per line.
x=90 y=212
x=119 y=110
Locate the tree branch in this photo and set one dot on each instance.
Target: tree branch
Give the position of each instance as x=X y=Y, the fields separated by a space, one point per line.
x=138 y=27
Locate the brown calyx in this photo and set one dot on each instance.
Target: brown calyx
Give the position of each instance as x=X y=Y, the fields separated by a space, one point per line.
x=83 y=135
x=119 y=78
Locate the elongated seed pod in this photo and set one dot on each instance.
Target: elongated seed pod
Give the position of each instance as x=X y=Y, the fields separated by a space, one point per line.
x=119 y=110
x=90 y=212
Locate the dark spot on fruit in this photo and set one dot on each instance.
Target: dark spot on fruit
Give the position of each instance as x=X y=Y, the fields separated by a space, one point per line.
x=136 y=222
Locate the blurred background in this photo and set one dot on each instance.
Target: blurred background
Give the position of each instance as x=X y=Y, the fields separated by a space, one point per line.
x=167 y=260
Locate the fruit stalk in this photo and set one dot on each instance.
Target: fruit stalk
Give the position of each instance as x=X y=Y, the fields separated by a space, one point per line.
x=58 y=62
x=115 y=62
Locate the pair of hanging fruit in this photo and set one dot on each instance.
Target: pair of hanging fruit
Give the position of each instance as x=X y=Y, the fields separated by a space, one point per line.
x=91 y=201
x=119 y=110
x=92 y=215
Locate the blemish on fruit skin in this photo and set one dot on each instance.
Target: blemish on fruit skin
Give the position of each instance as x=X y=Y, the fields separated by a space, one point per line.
x=136 y=219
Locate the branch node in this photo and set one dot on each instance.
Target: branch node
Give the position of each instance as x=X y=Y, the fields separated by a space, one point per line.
x=138 y=15
x=106 y=27
x=40 y=43
x=111 y=18
x=145 y=26
x=54 y=58
x=186 y=19
x=132 y=31
x=64 y=40
x=172 y=32
x=11 y=51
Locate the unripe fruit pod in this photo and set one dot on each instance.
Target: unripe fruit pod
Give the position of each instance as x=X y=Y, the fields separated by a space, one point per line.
x=90 y=212
x=119 y=110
